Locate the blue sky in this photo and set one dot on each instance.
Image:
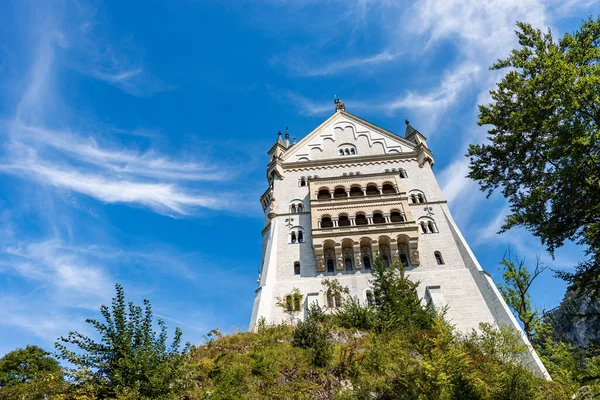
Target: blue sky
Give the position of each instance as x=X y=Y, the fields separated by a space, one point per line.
x=133 y=139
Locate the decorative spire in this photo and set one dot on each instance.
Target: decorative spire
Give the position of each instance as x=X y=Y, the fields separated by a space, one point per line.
x=409 y=129
x=339 y=104
x=279 y=139
x=287 y=135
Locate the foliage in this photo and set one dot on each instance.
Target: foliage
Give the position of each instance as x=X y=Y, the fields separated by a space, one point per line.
x=396 y=299
x=30 y=373
x=335 y=292
x=291 y=303
x=434 y=363
x=353 y=314
x=515 y=290
x=545 y=143
x=24 y=365
x=131 y=360
x=310 y=334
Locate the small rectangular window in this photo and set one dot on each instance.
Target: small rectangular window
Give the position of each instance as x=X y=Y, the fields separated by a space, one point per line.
x=297 y=268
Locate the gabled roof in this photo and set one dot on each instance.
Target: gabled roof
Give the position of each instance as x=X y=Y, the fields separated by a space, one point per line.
x=372 y=132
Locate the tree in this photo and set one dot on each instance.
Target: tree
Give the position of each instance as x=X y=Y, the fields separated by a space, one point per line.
x=515 y=290
x=29 y=373
x=396 y=299
x=544 y=150
x=131 y=358
x=23 y=365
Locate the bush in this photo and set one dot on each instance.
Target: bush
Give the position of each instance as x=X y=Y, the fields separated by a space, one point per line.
x=353 y=314
x=311 y=335
x=398 y=305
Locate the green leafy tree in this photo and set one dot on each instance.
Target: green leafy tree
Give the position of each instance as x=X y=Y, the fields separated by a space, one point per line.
x=397 y=302
x=515 y=290
x=130 y=359
x=544 y=149
x=29 y=373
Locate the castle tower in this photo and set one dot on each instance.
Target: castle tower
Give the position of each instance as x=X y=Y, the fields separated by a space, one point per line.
x=349 y=190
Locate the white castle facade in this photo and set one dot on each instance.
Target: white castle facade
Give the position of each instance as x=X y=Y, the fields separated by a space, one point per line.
x=349 y=190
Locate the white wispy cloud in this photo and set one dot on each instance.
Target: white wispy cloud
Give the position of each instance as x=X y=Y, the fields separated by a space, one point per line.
x=161 y=197
x=118 y=159
x=58 y=268
x=36 y=148
x=323 y=69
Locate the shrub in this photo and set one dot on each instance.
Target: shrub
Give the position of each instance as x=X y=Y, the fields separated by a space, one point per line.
x=311 y=335
x=353 y=314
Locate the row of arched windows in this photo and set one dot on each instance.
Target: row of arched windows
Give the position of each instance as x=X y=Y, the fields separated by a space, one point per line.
x=347 y=151
x=417 y=198
x=366 y=260
x=297 y=236
x=296 y=208
x=401 y=172
x=303 y=180
x=428 y=226
x=395 y=216
x=356 y=191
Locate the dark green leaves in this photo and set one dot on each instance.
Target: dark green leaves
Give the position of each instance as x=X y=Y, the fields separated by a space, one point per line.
x=130 y=356
x=544 y=145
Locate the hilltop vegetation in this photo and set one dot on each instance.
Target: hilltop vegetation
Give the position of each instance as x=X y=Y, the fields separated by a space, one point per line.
x=395 y=348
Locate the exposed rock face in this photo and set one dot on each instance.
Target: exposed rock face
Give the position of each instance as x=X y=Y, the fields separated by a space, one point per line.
x=576 y=320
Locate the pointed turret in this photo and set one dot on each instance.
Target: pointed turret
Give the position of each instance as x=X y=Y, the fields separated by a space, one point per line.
x=424 y=154
x=287 y=138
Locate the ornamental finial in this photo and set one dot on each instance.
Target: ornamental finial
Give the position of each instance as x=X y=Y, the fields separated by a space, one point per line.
x=406 y=121
x=339 y=104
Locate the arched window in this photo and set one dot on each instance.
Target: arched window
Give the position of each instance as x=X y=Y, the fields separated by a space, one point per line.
x=352 y=151
x=403 y=259
x=326 y=222
x=339 y=192
x=378 y=218
x=330 y=265
x=432 y=227
x=438 y=258
x=323 y=194
x=302 y=181
x=293 y=237
x=372 y=190
x=293 y=208
x=341 y=152
x=347 y=152
x=397 y=216
x=413 y=198
x=297 y=268
x=348 y=264
x=300 y=237
x=403 y=173
x=356 y=191
x=367 y=261
x=361 y=219
x=300 y=207
x=421 y=198
x=428 y=226
x=343 y=220
x=388 y=188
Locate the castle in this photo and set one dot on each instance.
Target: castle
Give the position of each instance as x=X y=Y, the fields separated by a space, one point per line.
x=350 y=190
